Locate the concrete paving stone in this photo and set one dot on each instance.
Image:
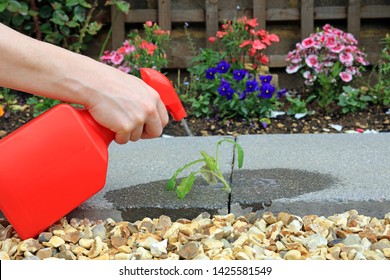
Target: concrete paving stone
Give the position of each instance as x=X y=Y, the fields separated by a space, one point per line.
x=318 y=174
x=137 y=173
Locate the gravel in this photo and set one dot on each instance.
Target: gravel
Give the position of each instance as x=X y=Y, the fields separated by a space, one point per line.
x=283 y=236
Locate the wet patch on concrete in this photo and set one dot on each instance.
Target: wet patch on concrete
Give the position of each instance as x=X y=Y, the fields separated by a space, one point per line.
x=258 y=188
x=152 y=200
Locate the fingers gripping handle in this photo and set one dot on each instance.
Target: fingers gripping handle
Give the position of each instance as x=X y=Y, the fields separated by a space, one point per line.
x=167 y=93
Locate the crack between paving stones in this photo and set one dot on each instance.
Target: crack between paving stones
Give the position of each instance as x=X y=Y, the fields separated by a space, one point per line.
x=231 y=177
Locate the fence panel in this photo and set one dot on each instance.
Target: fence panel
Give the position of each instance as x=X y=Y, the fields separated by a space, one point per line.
x=214 y=12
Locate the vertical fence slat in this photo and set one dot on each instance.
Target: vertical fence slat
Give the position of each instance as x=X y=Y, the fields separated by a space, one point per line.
x=164 y=14
x=307 y=18
x=118 y=27
x=354 y=17
x=259 y=12
x=211 y=18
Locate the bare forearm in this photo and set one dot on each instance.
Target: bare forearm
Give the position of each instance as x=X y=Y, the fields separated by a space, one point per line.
x=121 y=102
x=40 y=68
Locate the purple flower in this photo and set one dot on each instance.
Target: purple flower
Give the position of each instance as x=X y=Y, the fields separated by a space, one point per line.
x=242 y=95
x=266 y=91
x=238 y=75
x=265 y=79
x=225 y=89
x=223 y=67
x=281 y=93
x=251 y=85
x=210 y=73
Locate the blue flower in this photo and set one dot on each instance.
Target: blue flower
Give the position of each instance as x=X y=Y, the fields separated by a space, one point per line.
x=266 y=91
x=242 y=95
x=265 y=79
x=210 y=73
x=281 y=93
x=225 y=89
x=238 y=75
x=251 y=85
x=223 y=67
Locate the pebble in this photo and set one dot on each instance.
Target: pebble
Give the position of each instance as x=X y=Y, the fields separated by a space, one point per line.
x=343 y=236
x=99 y=230
x=292 y=255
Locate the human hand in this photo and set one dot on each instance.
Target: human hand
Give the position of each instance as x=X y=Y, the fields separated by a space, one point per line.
x=127 y=106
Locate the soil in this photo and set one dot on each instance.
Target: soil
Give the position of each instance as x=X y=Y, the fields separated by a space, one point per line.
x=375 y=118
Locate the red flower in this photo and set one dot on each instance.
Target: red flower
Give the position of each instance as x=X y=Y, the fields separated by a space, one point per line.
x=221 y=34
x=252 y=22
x=263 y=59
x=245 y=43
x=212 y=39
x=150 y=47
x=258 y=45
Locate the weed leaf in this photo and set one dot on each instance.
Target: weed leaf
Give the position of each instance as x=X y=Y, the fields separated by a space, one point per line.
x=207 y=174
x=170 y=185
x=210 y=161
x=185 y=185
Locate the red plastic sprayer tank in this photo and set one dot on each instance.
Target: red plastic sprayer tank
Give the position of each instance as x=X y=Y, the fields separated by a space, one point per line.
x=57 y=161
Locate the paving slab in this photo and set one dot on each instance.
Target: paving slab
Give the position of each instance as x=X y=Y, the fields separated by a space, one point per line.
x=302 y=174
x=137 y=173
x=319 y=174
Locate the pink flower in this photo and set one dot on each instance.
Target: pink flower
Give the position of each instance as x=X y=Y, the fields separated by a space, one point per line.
x=330 y=42
x=312 y=61
x=125 y=69
x=293 y=68
x=345 y=76
x=307 y=75
x=149 y=23
x=117 y=58
x=308 y=42
x=337 y=49
x=346 y=58
x=361 y=60
x=350 y=38
x=107 y=56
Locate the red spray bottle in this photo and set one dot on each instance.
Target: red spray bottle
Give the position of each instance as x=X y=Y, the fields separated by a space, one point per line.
x=57 y=161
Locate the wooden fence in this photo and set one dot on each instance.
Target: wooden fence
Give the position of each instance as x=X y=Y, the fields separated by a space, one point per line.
x=212 y=15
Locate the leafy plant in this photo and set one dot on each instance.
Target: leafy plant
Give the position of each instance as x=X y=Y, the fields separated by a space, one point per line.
x=41 y=104
x=137 y=52
x=67 y=23
x=225 y=80
x=298 y=105
x=328 y=60
x=210 y=171
x=353 y=100
x=381 y=89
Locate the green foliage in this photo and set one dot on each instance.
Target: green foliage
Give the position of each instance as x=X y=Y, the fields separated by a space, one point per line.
x=353 y=100
x=298 y=105
x=380 y=91
x=41 y=104
x=210 y=171
x=66 y=23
